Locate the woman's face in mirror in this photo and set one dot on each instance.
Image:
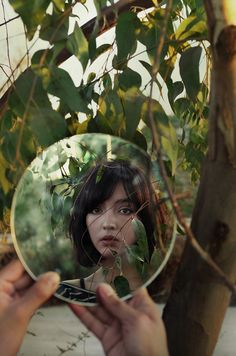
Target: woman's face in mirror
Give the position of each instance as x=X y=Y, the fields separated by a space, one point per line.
x=110 y=197
x=110 y=224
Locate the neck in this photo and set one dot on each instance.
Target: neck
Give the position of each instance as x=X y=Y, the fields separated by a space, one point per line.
x=112 y=269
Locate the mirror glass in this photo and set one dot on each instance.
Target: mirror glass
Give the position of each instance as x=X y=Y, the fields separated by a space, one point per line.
x=93 y=208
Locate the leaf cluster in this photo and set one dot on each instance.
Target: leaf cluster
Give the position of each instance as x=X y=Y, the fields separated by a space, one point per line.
x=44 y=104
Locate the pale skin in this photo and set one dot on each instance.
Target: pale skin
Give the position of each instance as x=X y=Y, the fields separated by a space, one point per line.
x=19 y=299
x=110 y=224
x=128 y=329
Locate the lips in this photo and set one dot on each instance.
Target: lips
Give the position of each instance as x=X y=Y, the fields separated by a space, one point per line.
x=109 y=238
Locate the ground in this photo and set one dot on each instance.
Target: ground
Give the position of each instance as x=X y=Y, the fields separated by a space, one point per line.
x=55 y=331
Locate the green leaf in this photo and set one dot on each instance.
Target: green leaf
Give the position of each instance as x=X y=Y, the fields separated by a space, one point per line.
x=27 y=147
x=74 y=166
x=174 y=90
x=134 y=254
x=122 y=286
x=57 y=203
x=181 y=106
x=62 y=86
x=31 y=13
x=194 y=155
x=53 y=29
x=192 y=28
x=100 y=174
x=99 y=124
x=102 y=49
x=7 y=121
x=189 y=70
x=107 y=82
x=60 y=4
x=47 y=125
x=118 y=261
x=37 y=57
x=119 y=64
x=129 y=78
x=140 y=140
x=156 y=259
x=44 y=73
x=132 y=104
x=77 y=44
x=169 y=142
x=159 y=114
x=195 y=4
x=67 y=205
x=126 y=27
x=27 y=86
x=149 y=36
x=8 y=146
x=100 y=4
x=171 y=150
x=166 y=130
x=147 y=66
x=110 y=106
x=141 y=239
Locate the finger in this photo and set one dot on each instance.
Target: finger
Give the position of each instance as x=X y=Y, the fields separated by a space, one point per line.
x=112 y=337
x=6 y=287
x=122 y=311
x=41 y=290
x=102 y=314
x=5 y=300
x=12 y=272
x=89 y=320
x=24 y=282
x=142 y=302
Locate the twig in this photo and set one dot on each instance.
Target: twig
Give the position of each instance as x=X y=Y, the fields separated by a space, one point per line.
x=157 y=146
x=72 y=345
x=183 y=196
x=7 y=21
x=7 y=39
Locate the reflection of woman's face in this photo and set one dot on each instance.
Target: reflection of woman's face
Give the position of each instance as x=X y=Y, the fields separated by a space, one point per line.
x=109 y=224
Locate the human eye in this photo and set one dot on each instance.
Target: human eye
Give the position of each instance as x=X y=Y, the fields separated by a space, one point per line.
x=96 y=211
x=126 y=211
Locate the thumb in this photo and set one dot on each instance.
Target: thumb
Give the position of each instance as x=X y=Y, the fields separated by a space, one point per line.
x=40 y=291
x=113 y=304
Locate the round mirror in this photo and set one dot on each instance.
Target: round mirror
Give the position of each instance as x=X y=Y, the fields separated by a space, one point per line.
x=93 y=208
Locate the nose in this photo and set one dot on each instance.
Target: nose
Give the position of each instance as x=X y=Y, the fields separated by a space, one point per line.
x=109 y=220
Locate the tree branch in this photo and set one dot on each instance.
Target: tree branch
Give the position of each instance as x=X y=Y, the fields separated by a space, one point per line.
x=157 y=146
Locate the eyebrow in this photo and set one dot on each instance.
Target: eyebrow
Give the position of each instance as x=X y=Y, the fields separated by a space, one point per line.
x=125 y=200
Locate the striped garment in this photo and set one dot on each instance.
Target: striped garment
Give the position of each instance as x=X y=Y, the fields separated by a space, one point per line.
x=79 y=294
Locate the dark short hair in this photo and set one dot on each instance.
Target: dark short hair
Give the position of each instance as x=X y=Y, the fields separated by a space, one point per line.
x=97 y=186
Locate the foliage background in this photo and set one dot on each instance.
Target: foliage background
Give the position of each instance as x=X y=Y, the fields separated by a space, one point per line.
x=113 y=101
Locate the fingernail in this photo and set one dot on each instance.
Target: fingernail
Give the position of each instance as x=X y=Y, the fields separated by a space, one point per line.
x=106 y=290
x=52 y=279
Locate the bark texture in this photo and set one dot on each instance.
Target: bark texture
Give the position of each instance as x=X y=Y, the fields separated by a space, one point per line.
x=198 y=301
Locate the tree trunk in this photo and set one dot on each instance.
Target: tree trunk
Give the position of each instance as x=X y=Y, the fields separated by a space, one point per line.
x=198 y=301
